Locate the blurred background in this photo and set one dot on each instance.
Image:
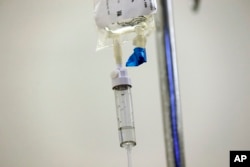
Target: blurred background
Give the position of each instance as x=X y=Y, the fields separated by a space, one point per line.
x=57 y=107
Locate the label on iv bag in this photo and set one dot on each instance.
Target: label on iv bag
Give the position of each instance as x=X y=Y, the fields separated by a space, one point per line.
x=112 y=11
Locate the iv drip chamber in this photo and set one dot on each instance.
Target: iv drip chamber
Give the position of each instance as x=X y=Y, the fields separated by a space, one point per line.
x=124 y=107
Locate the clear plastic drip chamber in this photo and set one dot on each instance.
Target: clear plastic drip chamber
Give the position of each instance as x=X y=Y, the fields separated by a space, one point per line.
x=124 y=107
x=125 y=118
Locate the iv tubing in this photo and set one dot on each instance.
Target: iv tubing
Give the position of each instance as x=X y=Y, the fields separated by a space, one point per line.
x=117 y=51
x=129 y=156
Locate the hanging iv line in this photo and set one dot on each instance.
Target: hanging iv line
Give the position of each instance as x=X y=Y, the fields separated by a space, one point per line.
x=121 y=84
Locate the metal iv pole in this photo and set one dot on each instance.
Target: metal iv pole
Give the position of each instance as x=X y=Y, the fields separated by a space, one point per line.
x=168 y=74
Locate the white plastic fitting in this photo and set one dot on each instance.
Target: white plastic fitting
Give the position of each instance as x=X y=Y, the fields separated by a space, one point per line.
x=120 y=77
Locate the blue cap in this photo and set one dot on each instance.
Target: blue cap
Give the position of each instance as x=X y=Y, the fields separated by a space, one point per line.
x=137 y=58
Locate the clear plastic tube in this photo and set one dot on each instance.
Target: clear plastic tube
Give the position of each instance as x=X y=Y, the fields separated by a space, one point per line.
x=117 y=51
x=125 y=116
x=129 y=155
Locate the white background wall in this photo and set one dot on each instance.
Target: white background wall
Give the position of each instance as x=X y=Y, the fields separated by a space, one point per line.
x=56 y=103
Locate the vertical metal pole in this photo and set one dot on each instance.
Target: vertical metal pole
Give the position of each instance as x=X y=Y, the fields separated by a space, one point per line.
x=171 y=110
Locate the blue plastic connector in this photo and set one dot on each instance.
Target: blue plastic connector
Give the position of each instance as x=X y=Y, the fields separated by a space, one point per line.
x=137 y=58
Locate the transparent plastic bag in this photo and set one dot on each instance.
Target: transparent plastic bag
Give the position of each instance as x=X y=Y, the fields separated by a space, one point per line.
x=123 y=19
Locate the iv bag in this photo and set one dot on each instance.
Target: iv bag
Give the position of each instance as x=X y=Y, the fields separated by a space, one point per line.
x=123 y=19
